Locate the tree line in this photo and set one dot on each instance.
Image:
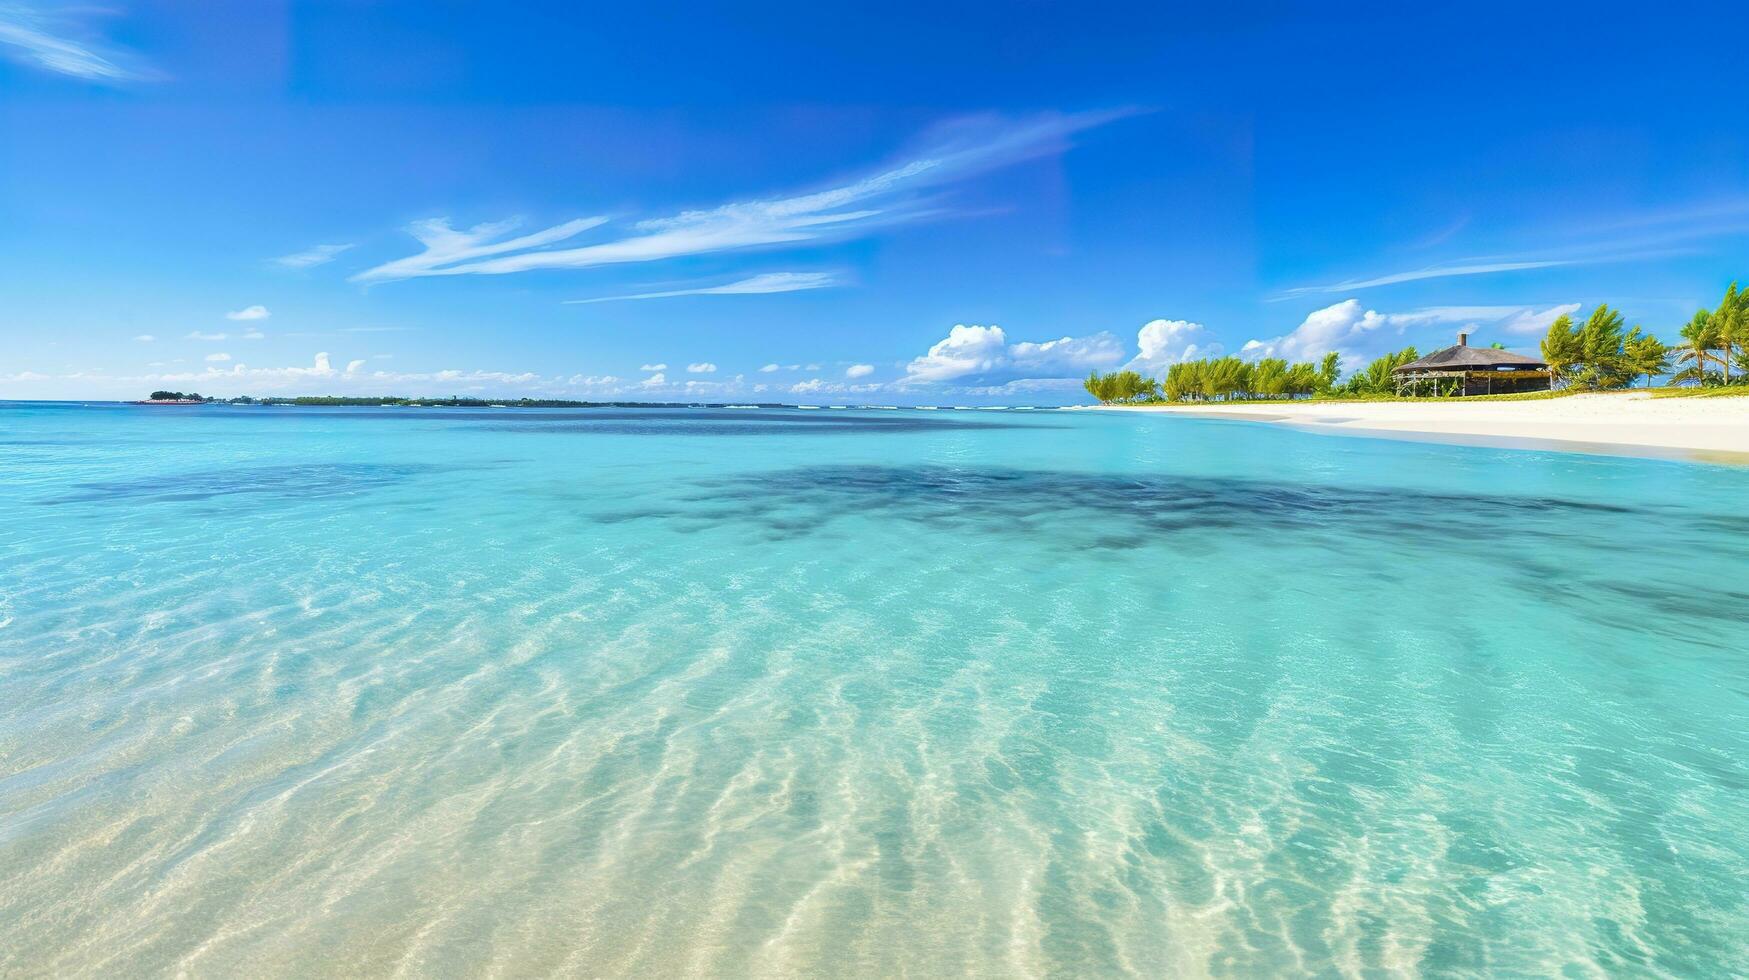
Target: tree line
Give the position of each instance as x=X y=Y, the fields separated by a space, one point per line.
x=1218 y=379
x=1598 y=354
x=1716 y=338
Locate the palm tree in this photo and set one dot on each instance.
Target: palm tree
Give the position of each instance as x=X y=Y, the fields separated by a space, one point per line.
x=1184 y=380
x=1561 y=348
x=1328 y=371
x=1699 y=338
x=1603 y=362
x=1227 y=377
x=1646 y=354
x=1269 y=377
x=1728 y=326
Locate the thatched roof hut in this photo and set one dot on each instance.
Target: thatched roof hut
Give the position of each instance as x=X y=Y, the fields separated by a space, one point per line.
x=1474 y=371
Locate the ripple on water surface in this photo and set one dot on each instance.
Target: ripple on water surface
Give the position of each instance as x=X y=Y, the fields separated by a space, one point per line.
x=852 y=705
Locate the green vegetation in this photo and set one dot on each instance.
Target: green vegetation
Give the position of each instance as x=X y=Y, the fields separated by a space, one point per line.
x=1217 y=379
x=1599 y=356
x=1122 y=387
x=1713 y=391
x=1717 y=338
x=177 y=396
x=1376 y=378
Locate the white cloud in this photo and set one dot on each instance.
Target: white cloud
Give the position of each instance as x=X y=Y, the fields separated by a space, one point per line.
x=654 y=367
x=1623 y=238
x=320 y=377
x=980 y=352
x=1026 y=386
x=859 y=370
x=1360 y=334
x=770 y=282
x=843 y=211
x=1431 y=272
x=256 y=312
x=656 y=380
x=311 y=257
x=767 y=369
x=703 y=367
x=31 y=37
x=966 y=350
x=1344 y=327
x=452 y=252
x=197 y=335
x=1166 y=342
x=815 y=386
x=254 y=335
x=270 y=377
x=145 y=338
x=1529 y=321
x=221 y=356
x=1068 y=353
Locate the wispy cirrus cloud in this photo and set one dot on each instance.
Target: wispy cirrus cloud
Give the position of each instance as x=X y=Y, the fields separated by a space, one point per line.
x=769 y=282
x=311 y=257
x=449 y=252
x=893 y=195
x=57 y=43
x=1647 y=234
x=1430 y=272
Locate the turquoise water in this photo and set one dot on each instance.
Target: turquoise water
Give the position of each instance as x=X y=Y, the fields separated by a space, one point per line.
x=720 y=692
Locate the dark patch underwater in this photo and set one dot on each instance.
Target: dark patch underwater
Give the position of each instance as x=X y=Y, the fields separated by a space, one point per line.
x=298 y=482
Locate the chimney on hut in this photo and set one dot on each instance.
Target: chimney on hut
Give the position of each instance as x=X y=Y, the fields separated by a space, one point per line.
x=1463 y=340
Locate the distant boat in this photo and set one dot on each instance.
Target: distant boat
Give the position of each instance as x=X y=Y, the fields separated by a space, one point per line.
x=811 y=408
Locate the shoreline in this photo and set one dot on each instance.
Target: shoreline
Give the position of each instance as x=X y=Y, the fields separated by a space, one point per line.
x=1712 y=430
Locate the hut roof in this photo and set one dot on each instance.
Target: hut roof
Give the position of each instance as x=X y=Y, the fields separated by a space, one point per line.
x=1464 y=358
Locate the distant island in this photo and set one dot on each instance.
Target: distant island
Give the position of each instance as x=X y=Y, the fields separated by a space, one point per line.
x=174 y=398
x=391 y=401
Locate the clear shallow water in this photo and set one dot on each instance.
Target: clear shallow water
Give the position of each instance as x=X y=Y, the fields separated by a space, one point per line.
x=296 y=691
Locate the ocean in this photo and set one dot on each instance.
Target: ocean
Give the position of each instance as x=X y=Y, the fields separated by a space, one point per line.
x=716 y=692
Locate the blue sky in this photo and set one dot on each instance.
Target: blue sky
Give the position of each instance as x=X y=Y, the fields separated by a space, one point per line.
x=908 y=204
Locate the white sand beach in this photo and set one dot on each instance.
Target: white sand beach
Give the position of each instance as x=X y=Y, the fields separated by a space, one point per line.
x=1623 y=422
